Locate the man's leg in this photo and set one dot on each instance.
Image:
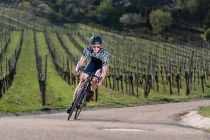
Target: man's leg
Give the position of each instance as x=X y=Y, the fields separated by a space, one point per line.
x=89 y=97
x=94 y=82
x=83 y=77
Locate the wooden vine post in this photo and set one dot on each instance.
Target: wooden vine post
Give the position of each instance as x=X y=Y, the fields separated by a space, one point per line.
x=45 y=81
x=170 y=76
x=137 y=79
x=147 y=84
x=189 y=75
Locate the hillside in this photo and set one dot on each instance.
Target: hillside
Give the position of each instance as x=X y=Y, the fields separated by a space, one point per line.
x=38 y=59
x=108 y=14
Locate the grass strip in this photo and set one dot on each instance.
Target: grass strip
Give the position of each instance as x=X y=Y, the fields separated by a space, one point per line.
x=60 y=52
x=204 y=111
x=59 y=93
x=70 y=45
x=23 y=95
x=14 y=39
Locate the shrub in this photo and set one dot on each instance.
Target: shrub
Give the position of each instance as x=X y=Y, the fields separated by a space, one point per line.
x=160 y=20
x=207 y=24
x=131 y=19
x=207 y=34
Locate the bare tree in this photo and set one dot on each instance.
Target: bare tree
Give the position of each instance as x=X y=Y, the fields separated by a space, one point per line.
x=177 y=3
x=131 y=19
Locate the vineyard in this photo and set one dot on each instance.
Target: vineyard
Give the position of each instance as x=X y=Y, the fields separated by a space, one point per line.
x=37 y=60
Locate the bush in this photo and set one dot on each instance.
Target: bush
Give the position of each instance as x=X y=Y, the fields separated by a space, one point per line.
x=160 y=20
x=131 y=19
x=207 y=24
x=207 y=34
x=69 y=9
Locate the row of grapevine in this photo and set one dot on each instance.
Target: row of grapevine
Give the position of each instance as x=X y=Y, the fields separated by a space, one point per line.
x=10 y=57
x=171 y=61
x=136 y=64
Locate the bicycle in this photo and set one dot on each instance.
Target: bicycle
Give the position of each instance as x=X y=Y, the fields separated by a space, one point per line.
x=80 y=98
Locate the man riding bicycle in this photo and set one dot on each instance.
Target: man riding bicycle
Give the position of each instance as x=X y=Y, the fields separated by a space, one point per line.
x=97 y=64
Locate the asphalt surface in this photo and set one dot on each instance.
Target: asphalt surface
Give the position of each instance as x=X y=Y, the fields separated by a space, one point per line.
x=151 y=122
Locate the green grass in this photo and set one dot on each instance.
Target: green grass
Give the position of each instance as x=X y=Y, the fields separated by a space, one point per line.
x=59 y=93
x=60 y=52
x=70 y=45
x=205 y=111
x=109 y=97
x=24 y=18
x=23 y=95
x=15 y=38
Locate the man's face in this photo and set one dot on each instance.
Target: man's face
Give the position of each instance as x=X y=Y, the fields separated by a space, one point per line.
x=96 y=48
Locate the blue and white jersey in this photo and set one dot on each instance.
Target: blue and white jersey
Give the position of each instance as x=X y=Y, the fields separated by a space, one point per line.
x=101 y=55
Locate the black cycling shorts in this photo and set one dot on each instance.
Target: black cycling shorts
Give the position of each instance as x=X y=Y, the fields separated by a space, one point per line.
x=93 y=66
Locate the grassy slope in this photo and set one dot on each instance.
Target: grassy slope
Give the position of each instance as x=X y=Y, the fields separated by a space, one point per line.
x=61 y=55
x=59 y=93
x=24 y=93
x=205 y=111
x=70 y=46
x=15 y=38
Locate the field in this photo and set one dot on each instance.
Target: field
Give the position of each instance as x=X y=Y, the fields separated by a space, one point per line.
x=38 y=59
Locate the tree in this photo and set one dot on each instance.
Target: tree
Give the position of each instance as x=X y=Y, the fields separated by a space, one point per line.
x=36 y=2
x=96 y=2
x=59 y=6
x=59 y=2
x=111 y=18
x=126 y=19
x=198 y=8
x=131 y=9
x=24 y=4
x=131 y=19
x=44 y=7
x=207 y=34
x=69 y=8
x=107 y=14
x=207 y=24
x=176 y=4
x=105 y=7
x=160 y=20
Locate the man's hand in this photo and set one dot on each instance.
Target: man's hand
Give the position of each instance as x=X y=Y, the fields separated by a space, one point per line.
x=76 y=72
x=99 y=81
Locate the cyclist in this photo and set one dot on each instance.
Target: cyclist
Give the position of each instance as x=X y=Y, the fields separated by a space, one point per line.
x=98 y=64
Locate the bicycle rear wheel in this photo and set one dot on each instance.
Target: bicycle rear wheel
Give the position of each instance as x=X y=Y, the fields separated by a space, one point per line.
x=72 y=110
x=78 y=110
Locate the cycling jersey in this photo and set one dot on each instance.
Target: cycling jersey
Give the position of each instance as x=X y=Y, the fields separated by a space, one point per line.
x=100 y=57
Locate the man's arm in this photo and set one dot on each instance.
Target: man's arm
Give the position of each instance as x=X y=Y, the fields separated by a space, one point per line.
x=103 y=75
x=79 y=64
x=85 y=54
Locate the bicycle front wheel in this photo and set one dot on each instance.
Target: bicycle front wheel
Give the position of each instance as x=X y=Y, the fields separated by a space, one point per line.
x=79 y=109
x=79 y=97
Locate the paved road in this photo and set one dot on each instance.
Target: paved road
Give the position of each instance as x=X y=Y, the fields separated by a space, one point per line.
x=151 y=122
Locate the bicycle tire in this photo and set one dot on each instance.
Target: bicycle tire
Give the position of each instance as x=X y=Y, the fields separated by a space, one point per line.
x=78 y=110
x=82 y=102
x=77 y=99
x=73 y=106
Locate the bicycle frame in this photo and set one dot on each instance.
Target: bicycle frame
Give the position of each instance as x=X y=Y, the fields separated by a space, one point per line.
x=81 y=94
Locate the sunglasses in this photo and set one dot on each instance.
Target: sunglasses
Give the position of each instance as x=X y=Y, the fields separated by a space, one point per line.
x=96 y=46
